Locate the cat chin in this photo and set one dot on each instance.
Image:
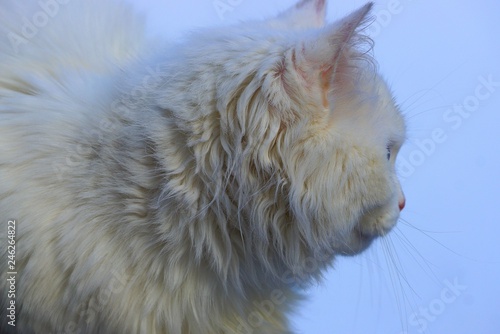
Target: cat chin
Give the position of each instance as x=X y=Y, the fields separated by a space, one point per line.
x=357 y=244
x=374 y=225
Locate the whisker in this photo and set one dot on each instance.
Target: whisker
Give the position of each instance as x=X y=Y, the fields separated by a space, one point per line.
x=425 y=92
x=427 y=234
x=409 y=247
x=395 y=273
x=429 y=110
x=406 y=223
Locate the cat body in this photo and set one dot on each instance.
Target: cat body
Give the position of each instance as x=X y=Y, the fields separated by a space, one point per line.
x=192 y=188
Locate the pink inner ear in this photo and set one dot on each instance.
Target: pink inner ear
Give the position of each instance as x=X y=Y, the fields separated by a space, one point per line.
x=318 y=4
x=312 y=12
x=325 y=78
x=314 y=76
x=321 y=62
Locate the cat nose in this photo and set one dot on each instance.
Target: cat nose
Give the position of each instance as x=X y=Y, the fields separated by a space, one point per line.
x=402 y=202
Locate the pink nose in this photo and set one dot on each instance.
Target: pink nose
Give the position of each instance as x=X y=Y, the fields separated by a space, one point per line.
x=402 y=202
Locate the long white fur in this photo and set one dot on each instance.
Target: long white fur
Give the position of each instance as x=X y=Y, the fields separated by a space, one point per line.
x=189 y=189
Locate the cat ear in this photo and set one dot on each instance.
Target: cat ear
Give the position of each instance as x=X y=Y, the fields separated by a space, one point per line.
x=305 y=14
x=326 y=58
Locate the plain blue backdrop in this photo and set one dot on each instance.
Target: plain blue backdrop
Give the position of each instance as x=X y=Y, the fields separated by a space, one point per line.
x=439 y=270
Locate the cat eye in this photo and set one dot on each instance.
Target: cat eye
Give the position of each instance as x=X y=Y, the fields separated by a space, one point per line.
x=388 y=153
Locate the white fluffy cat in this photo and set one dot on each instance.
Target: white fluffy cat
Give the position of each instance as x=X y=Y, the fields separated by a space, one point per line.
x=190 y=189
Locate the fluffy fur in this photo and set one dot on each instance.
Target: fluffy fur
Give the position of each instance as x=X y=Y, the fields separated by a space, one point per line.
x=191 y=188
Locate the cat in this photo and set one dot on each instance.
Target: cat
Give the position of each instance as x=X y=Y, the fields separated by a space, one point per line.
x=190 y=188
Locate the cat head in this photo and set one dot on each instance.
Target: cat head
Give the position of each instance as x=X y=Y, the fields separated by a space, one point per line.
x=326 y=134
x=294 y=135
x=340 y=160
